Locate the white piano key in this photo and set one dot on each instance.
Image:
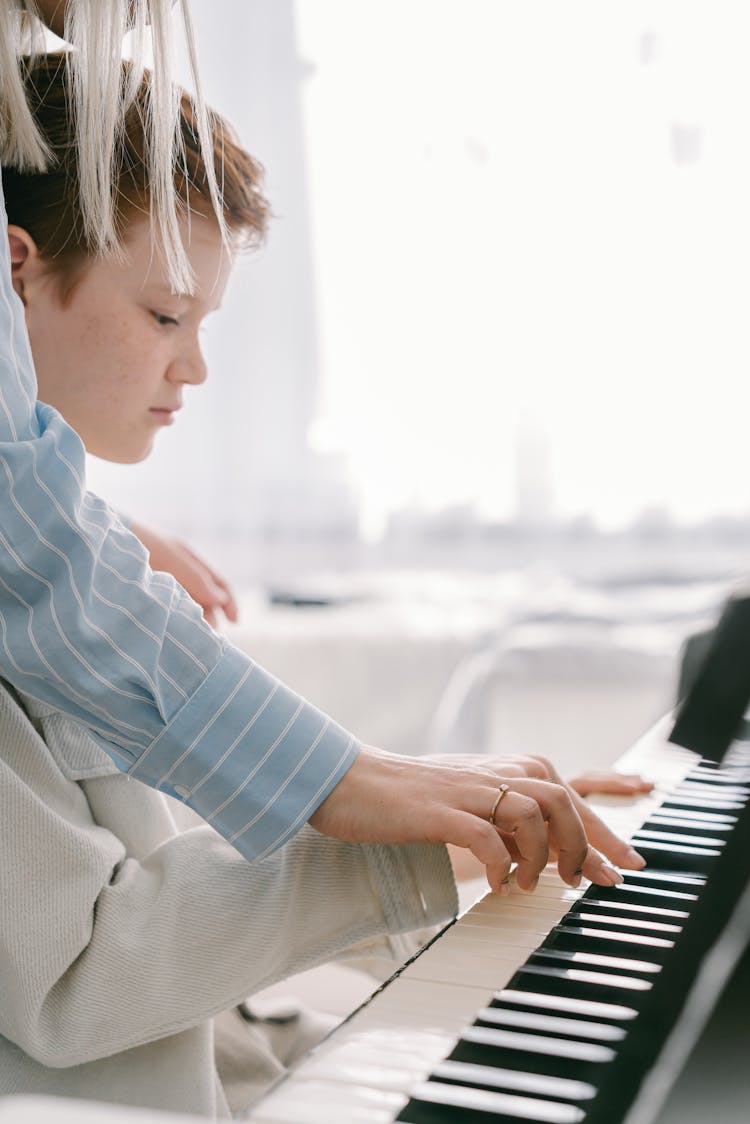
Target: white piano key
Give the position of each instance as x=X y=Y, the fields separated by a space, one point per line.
x=548 y=899
x=614 y=936
x=576 y=975
x=482 y=927
x=615 y=920
x=486 y=972
x=374 y=1066
x=704 y=804
x=628 y=892
x=677 y=837
x=668 y=878
x=480 y=940
x=660 y=821
x=325 y=1102
x=696 y=788
x=498 y=1104
x=633 y=907
x=550 y=895
x=524 y=922
x=714 y=820
x=591 y=1007
x=650 y=845
x=599 y=960
x=578 y=1051
x=551 y=1024
x=541 y=1084
x=438 y=1006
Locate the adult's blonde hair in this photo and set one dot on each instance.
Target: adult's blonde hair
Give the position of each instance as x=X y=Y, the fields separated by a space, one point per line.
x=99 y=99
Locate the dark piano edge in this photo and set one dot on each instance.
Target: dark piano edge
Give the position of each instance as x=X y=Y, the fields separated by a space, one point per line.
x=712 y=977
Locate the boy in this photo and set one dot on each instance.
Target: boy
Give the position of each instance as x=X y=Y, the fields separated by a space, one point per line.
x=126 y=944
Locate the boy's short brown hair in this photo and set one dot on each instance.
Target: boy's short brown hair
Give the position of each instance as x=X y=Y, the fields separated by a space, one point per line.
x=47 y=204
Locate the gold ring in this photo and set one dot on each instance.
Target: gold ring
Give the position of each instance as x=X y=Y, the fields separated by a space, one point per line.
x=500 y=794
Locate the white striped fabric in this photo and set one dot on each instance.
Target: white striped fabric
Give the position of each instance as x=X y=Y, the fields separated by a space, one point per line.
x=87 y=627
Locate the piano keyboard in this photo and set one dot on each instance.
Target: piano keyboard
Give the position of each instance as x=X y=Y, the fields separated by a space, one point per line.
x=547 y=1006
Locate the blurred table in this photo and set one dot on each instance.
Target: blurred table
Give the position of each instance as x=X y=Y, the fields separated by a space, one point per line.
x=417 y=663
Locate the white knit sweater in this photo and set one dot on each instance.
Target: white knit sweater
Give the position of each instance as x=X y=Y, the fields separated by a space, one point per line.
x=121 y=937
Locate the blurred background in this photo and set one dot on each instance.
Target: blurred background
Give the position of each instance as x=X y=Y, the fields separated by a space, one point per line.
x=473 y=446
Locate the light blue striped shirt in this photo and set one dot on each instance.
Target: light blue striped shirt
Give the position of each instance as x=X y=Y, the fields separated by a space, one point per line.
x=86 y=626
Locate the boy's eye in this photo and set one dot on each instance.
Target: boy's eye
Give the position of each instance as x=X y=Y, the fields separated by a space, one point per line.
x=162 y=319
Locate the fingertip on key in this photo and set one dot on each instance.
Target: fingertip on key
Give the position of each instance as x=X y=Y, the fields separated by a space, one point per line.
x=635 y=861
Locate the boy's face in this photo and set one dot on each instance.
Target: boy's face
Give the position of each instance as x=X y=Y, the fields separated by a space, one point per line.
x=116 y=357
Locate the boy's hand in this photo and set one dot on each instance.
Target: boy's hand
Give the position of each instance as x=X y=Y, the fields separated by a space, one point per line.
x=203 y=584
x=609 y=782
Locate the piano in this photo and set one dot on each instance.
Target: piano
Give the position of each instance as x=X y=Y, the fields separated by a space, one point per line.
x=564 y=1005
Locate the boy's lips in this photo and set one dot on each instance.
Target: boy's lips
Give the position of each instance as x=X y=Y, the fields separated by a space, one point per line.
x=165 y=414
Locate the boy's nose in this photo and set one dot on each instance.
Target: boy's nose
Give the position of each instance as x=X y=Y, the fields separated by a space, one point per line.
x=189 y=368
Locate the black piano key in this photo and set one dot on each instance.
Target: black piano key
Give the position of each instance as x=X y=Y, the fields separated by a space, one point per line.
x=513 y=1080
x=434 y=1102
x=490 y=1039
x=545 y=1001
x=549 y=1024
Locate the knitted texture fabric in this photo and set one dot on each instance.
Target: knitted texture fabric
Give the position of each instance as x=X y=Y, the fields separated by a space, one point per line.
x=121 y=937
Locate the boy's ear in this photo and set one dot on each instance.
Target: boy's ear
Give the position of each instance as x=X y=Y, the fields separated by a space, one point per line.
x=24 y=258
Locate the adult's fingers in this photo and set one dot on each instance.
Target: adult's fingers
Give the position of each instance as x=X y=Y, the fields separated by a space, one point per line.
x=520 y=816
x=480 y=837
x=554 y=805
x=567 y=832
x=602 y=838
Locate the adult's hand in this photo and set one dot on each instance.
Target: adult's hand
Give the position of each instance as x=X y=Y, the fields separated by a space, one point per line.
x=385 y=798
x=597 y=832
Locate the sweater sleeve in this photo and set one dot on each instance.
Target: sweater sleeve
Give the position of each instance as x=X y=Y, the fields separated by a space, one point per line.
x=87 y=627
x=104 y=950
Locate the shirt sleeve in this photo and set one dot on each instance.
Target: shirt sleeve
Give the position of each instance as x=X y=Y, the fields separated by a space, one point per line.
x=86 y=626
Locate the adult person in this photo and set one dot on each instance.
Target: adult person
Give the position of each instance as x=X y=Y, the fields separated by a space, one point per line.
x=86 y=627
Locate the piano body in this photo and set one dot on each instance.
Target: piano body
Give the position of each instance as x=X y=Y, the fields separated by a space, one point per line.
x=562 y=1005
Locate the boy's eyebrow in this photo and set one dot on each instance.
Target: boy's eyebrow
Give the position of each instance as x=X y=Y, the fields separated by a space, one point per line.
x=162 y=289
